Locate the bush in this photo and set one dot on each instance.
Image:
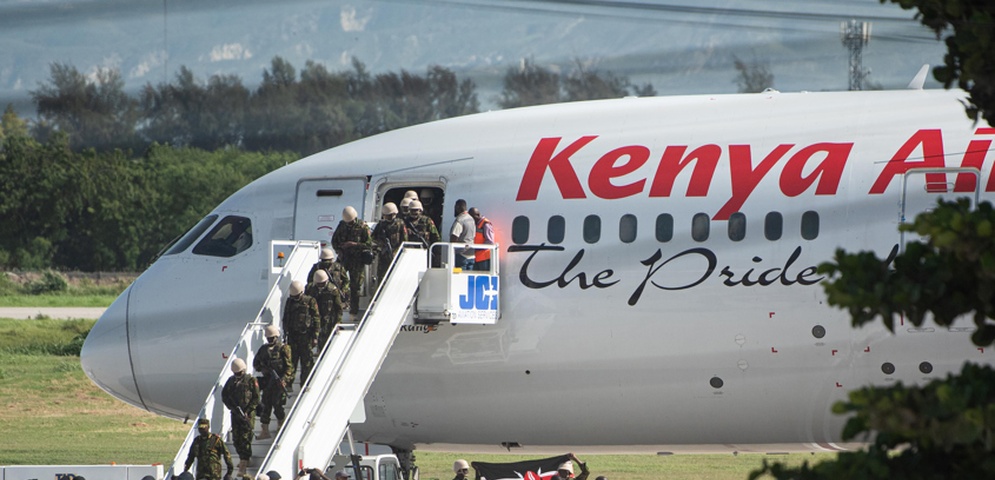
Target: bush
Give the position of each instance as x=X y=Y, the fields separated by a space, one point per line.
x=8 y=286
x=50 y=282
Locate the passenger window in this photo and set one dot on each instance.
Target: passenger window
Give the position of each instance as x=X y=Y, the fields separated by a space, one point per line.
x=700 y=226
x=520 y=230
x=192 y=234
x=627 y=228
x=592 y=229
x=556 y=229
x=664 y=227
x=810 y=225
x=737 y=226
x=773 y=226
x=231 y=236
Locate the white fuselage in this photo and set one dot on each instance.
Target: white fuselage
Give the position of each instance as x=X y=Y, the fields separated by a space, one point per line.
x=658 y=270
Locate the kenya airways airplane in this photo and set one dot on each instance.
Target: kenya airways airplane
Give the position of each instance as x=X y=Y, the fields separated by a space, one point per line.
x=657 y=267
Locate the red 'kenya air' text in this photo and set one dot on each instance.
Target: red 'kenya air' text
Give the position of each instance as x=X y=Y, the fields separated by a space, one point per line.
x=823 y=161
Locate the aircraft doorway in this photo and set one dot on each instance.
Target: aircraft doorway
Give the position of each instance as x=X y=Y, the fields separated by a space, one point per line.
x=432 y=199
x=922 y=187
x=320 y=203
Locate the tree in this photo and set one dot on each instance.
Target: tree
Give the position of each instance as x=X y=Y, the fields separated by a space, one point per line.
x=529 y=84
x=753 y=77
x=12 y=125
x=586 y=83
x=93 y=112
x=945 y=429
x=970 y=58
x=274 y=121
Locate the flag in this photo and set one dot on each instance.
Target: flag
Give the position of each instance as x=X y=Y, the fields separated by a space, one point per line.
x=540 y=469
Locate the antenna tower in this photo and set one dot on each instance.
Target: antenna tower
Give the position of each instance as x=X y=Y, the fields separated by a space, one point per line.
x=855 y=36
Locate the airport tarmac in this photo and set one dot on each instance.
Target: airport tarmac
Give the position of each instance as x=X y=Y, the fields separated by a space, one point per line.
x=62 y=313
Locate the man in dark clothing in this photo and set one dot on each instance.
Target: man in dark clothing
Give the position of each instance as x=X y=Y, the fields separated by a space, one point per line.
x=337 y=274
x=351 y=239
x=388 y=236
x=420 y=227
x=241 y=395
x=330 y=305
x=300 y=327
x=208 y=449
x=275 y=365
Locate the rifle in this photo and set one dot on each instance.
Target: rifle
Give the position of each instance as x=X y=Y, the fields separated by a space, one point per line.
x=242 y=415
x=275 y=379
x=413 y=230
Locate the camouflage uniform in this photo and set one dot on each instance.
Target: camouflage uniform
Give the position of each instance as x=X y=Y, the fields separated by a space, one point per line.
x=330 y=307
x=241 y=391
x=354 y=231
x=422 y=229
x=337 y=275
x=388 y=237
x=208 y=451
x=275 y=358
x=301 y=320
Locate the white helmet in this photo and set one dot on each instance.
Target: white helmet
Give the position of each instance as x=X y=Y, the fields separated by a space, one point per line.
x=327 y=254
x=411 y=194
x=272 y=331
x=320 y=276
x=237 y=365
x=296 y=288
x=262 y=476
x=349 y=214
x=388 y=209
x=415 y=205
x=459 y=465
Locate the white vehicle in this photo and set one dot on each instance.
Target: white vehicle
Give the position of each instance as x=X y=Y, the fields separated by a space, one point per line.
x=658 y=274
x=371 y=467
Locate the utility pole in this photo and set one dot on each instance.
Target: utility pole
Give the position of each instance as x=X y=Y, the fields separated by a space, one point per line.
x=855 y=36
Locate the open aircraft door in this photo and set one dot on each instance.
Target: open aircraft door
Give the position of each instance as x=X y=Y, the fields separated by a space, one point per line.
x=320 y=203
x=921 y=187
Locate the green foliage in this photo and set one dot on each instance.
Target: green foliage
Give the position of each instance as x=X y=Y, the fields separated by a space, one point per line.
x=529 y=84
x=50 y=282
x=43 y=336
x=93 y=113
x=970 y=40
x=753 y=77
x=314 y=112
x=951 y=274
x=7 y=286
x=945 y=429
x=532 y=84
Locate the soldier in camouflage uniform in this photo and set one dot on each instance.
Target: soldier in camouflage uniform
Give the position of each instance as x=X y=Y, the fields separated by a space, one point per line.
x=301 y=321
x=351 y=239
x=388 y=236
x=337 y=274
x=241 y=395
x=330 y=304
x=275 y=365
x=208 y=449
x=420 y=227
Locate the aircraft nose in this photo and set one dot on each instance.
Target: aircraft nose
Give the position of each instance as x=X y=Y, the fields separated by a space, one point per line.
x=105 y=356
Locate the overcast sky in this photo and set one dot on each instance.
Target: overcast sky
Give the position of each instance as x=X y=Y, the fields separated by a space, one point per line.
x=680 y=46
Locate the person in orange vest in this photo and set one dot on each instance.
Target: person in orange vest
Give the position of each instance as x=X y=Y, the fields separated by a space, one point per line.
x=484 y=236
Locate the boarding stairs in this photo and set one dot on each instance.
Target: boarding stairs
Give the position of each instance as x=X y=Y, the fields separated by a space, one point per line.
x=320 y=413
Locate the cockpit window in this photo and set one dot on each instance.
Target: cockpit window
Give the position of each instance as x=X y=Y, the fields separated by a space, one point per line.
x=193 y=234
x=231 y=236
